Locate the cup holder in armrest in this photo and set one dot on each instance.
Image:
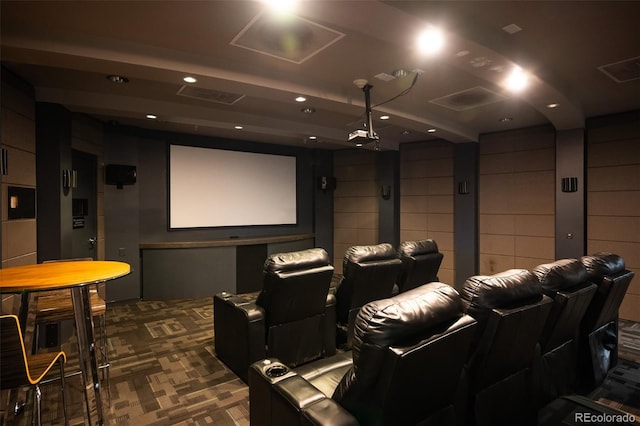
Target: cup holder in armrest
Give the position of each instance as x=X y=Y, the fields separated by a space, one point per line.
x=276 y=370
x=269 y=370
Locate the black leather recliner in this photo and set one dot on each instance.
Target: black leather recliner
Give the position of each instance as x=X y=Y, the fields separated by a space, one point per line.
x=408 y=354
x=599 y=328
x=420 y=263
x=566 y=282
x=369 y=273
x=293 y=317
x=511 y=311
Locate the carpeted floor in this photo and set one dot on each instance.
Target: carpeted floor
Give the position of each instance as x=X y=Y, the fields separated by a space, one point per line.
x=164 y=371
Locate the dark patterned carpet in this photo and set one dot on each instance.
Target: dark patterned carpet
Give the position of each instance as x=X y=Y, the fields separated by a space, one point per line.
x=164 y=371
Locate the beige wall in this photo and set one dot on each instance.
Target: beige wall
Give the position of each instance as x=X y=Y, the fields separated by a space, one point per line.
x=613 y=198
x=516 y=201
x=19 y=243
x=426 y=199
x=355 y=211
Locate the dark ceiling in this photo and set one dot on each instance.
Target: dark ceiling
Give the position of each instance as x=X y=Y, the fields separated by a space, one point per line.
x=583 y=56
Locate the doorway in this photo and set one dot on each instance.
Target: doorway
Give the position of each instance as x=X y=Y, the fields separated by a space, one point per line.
x=84 y=205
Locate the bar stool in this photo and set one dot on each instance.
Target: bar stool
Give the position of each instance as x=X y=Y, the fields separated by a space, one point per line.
x=56 y=306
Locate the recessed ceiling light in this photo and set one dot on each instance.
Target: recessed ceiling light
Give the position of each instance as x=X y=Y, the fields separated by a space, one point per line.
x=238 y=127
x=358 y=144
x=152 y=116
x=308 y=110
x=431 y=130
x=517 y=80
x=282 y=7
x=405 y=132
x=505 y=119
x=301 y=99
x=189 y=79
x=430 y=41
x=117 y=79
x=551 y=106
x=384 y=117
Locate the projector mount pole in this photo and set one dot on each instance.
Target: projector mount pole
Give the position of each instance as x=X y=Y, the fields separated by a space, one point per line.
x=367 y=102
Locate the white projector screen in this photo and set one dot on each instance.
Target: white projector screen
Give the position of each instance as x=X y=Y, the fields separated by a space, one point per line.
x=214 y=187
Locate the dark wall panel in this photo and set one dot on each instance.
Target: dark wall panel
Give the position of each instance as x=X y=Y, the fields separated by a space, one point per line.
x=138 y=213
x=466 y=211
x=570 y=199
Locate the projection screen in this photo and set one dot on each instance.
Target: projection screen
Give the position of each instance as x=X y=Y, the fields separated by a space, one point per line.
x=213 y=188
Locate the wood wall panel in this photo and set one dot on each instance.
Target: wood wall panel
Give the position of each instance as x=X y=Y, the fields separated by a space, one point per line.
x=613 y=196
x=355 y=202
x=427 y=197
x=516 y=199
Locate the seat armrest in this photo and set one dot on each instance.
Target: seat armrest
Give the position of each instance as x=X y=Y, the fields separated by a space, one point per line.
x=327 y=412
x=262 y=376
x=233 y=299
x=330 y=315
x=239 y=332
x=279 y=395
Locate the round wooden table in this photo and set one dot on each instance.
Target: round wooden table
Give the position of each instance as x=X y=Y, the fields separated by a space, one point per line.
x=77 y=276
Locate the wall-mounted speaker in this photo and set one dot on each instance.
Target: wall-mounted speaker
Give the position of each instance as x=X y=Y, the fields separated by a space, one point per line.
x=119 y=175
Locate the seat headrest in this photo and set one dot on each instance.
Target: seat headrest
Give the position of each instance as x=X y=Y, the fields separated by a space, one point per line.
x=561 y=274
x=359 y=254
x=414 y=248
x=413 y=313
x=480 y=294
x=296 y=260
x=602 y=264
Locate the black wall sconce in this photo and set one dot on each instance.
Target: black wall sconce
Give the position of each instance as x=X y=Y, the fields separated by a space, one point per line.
x=4 y=162
x=326 y=182
x=66 y=180
x=69 y=179
x=463 y=187
x=569 y=184
x=385 y=191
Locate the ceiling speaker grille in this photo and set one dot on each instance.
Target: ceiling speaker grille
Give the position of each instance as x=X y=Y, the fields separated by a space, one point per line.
x=209 y=95
x=468 y=99
x=623 y=71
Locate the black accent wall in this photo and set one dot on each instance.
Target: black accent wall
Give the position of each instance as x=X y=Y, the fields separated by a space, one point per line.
x=53 y=155
x=138 y=213
x=465 y=211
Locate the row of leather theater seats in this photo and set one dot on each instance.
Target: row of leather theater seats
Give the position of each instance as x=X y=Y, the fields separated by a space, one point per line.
x=299 y=315
x=492 y=354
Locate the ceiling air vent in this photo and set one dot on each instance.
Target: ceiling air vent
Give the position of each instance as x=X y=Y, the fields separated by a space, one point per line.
x=209 y=95
x=623 y=71
x=468 y=99
x=295 y=40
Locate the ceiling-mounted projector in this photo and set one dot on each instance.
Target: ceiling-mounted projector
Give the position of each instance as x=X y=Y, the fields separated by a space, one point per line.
x=363 y=137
